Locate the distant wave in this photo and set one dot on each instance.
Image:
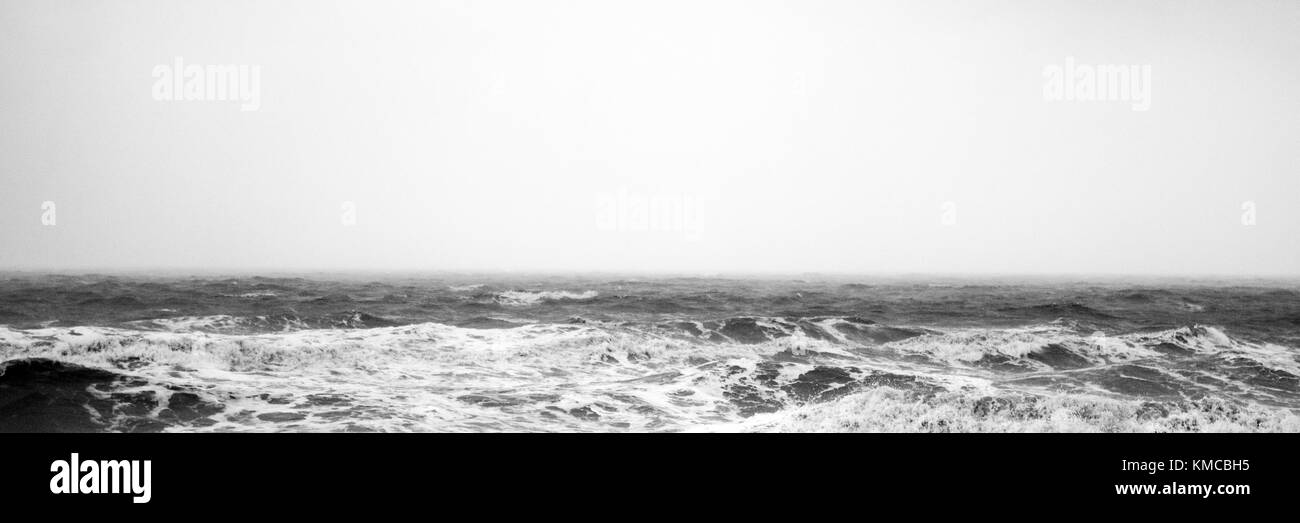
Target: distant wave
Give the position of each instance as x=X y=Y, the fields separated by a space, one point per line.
x=464 y=288
x=519 y=298
x=259 y=294
x=196 y=323
x=225 y=323
x=1063 y=310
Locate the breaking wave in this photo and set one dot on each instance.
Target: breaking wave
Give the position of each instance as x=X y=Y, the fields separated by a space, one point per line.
x=536 y=297
x=739 y=373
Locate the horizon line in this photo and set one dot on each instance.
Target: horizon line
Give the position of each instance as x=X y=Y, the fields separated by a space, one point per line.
x=759 y=274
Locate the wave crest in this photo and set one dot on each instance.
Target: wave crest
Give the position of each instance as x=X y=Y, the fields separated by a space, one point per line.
x=523 y=298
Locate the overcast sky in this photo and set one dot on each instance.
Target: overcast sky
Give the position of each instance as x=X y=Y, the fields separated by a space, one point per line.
x=829 y=136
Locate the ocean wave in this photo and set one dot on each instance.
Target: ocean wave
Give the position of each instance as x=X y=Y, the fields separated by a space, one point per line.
x=76 y=398
x=439 y=377
x=1041 y=347
x=195 y=323
x=846 y=330
x=225 y=323
x=522 y=298
x=1072 y=310
x=894 y=410
x=1062 y=346
x=496 y=374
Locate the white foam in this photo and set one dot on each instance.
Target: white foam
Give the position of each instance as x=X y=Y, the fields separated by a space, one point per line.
x=412 y=378
x=532 y=298
x=194 y=323
x=890 y=410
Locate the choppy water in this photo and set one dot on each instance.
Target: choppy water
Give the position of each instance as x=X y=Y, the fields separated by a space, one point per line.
x=523 y=353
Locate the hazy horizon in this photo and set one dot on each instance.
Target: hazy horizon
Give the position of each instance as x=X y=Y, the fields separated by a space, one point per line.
x=716 y=137
x=505 y=276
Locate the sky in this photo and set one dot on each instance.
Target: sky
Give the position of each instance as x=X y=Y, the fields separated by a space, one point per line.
x=836 y=136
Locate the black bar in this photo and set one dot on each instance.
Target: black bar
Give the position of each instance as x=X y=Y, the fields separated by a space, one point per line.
x=641 y=474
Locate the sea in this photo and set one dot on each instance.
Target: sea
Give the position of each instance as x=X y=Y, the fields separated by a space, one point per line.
x=507 y=352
